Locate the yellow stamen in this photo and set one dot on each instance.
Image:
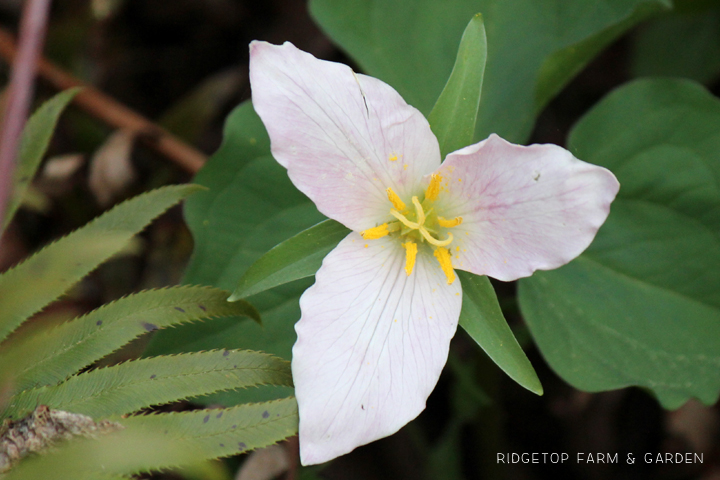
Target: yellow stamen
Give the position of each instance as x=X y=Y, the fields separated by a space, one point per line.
x=397 y=203
x=393 y=158
x=445 y=261
x=410 y=254
x=449 y=223
x=433 y=241
x=404 y=220
x=375 y=232
x=419 y=210
x=434 y=188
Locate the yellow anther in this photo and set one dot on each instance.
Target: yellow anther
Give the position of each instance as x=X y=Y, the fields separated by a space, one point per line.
x=404 y=220
x=410 y=254
x=449 y=223
x=445 y=261
x=419 y=210
x=434 y=188
x=397 y=203
x=393 y=157
x=375 y=232
x=434 y=241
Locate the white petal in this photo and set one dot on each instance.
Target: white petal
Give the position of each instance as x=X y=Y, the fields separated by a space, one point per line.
x=523 y=208
x=344 y=138
x=372 y=342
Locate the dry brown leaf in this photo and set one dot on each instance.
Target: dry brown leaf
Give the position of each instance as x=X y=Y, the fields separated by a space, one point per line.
x=62 y=167
x=42 y=429
x=111 y=170
x=265 y=464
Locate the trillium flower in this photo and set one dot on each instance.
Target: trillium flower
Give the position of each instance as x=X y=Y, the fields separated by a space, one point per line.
x=376 y=326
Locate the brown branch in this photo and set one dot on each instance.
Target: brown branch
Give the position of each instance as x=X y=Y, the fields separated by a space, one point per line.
x=33 y=25
x=113 y=112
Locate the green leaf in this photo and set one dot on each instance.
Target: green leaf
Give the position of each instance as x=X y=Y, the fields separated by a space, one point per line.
x=131 y=386
x=224 y=432
x=30 y=286
x=561 y=66
x=686 y=45
x=34 y=143
x=642 y=305
x=411 y=44
x=455 y=113
x=80 y=342
x=114 y=456
x=483 y=320
x=250 y=207
x=453 y=122
x=295 y=258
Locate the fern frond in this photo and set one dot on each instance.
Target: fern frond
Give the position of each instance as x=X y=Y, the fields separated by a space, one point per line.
x=80 y=342
x=128 y=387
x=114 y=456
x=33 y=284
x=36 y=136
x=224 y=432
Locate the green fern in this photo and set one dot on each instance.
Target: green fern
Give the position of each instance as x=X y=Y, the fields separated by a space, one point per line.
x=128 y=387
x=167 y=440
x=35 y=139
x=224 y=432
x=80 y=342
x=30 y=286
x=42 y=368
x=115 y=456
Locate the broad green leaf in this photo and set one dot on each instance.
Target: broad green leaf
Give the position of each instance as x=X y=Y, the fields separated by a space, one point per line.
x=250 y=207
x=116 y=455
x=561 y=66
x=76 y=344
x=680 y=45
x=411 y=44
x=455 y=113
x=295 y=258
x=33 y=284
x=224 y=432
x=131 y=386
x=642 y=305
x=34 y=143
x=483 y=320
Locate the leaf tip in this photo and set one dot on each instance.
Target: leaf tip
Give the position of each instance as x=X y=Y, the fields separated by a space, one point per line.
x=237 y=295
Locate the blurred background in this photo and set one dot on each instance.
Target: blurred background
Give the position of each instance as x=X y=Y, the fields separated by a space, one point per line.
x=183 y=64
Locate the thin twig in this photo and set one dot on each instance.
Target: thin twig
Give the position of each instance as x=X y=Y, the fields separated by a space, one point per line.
x=113 y=112
x=32 y=36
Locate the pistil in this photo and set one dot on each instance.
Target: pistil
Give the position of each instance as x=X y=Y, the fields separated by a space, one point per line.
x=407 y=226
x=420 y=224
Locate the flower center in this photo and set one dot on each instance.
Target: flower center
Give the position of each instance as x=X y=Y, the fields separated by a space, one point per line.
x=419 y=227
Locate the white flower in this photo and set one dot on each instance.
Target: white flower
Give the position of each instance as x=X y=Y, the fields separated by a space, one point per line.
x=376 y=325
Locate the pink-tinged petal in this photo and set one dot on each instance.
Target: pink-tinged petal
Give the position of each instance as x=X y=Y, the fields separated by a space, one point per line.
x=344 y=137
x=523 y=208
x=372 y=342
